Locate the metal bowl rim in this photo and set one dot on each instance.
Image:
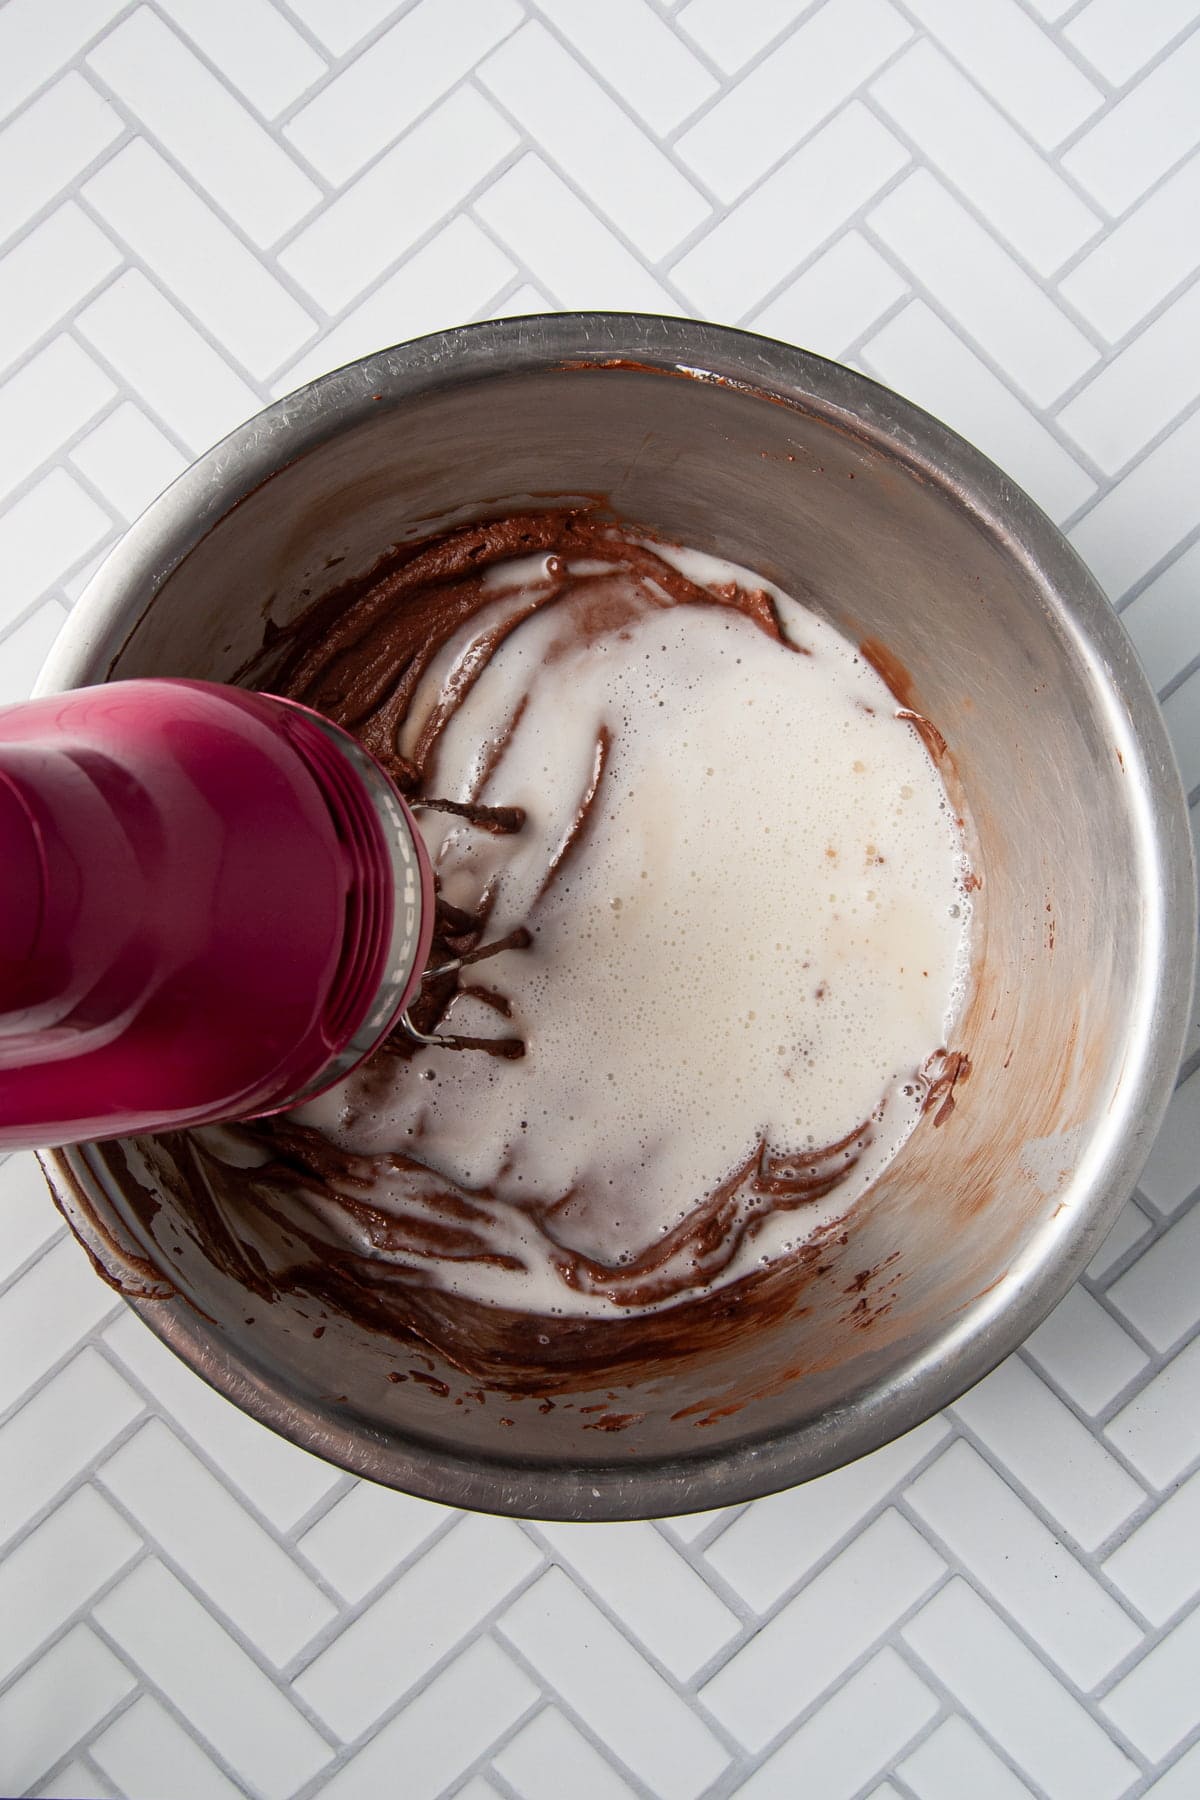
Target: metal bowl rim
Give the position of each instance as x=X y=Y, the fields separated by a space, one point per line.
x=174 y=523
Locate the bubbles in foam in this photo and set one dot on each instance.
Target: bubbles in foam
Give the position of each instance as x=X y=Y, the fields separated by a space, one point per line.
x=670 y=1002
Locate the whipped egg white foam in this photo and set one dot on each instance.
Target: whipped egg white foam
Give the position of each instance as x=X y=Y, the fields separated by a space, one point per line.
x=745 y=887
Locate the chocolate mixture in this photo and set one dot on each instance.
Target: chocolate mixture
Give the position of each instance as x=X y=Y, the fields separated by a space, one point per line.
x=281 y=1207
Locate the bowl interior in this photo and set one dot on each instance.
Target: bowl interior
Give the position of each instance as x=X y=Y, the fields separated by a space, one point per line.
x=979 y=1223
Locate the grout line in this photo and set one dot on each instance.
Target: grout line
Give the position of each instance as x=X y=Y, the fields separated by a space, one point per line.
x=1164 y=563
x=890 y=1637
x=140 y=133
x=85 y=172
x=77 y=61
x=556 y=1701
x=147 y=1685
x=1119 y=91
x=81 y=1614
x=480 y=1763
x=76 y=1751
x=65 y=322
x=264 y=255
x=240 y=100
x=82 y=1478
x=1038 y=412
x=50 y=1370
x=336 y=61
x=181 y=305
x=1047 y=283
x=21 y=1269
x=128 y=393
x=538 y=14
x=693 y=1555
x=808 y=10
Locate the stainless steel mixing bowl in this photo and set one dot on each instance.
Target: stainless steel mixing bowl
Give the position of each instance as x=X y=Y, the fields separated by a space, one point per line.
x=896 y=530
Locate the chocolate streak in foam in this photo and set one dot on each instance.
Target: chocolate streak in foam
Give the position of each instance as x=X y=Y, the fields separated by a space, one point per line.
x=282 y=1206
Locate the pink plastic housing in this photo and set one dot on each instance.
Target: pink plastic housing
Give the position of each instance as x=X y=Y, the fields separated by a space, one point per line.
x=198 y=909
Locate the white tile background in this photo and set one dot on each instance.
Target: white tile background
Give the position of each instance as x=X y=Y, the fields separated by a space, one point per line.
x=995 y=207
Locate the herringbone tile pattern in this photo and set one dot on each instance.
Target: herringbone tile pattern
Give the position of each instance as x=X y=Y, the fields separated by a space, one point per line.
x=992 y=207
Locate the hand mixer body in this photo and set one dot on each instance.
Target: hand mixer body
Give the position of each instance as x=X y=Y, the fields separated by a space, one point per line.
x=212 y=902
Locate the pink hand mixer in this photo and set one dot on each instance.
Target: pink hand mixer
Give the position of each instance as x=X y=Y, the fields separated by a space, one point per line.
x=213 y=904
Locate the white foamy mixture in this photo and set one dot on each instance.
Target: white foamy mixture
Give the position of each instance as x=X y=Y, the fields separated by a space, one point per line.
x=758 y=937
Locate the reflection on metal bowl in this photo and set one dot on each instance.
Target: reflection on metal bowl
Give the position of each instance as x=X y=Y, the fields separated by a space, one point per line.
x=895 y=530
